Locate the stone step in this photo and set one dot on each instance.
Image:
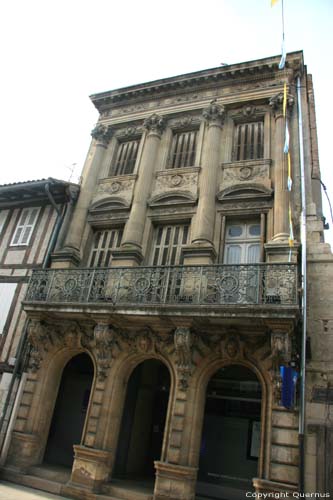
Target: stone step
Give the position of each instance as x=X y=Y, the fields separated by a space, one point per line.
x=128 y=491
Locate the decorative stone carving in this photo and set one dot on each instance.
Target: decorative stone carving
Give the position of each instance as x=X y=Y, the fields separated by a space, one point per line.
x=183 y=344
x=246 y=172
x=129 y=132
x=108 y=188
x=154 y=124
x=183 y=183
x=276 y=102
x=102 y=134
x=105 y=345
x=214 y=113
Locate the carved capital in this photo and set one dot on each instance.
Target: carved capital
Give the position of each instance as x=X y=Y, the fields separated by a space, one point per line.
x=183 y=340
x=102 y=134
x=276 y=103
x=155 y=124
x=214 y=113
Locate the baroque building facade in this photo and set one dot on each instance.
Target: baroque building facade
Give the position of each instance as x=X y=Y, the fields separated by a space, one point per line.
x=158 y=334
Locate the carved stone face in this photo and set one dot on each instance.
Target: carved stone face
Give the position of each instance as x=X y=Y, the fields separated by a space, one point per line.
x=231 y=348
x=144 y=343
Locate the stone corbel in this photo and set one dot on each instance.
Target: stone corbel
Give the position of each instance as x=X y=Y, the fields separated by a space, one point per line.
x=184 y=341
x=105 y=345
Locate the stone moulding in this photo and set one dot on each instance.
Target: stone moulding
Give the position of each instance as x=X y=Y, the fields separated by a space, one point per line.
x=113 y=193
x=245 y=173
x=175 y=186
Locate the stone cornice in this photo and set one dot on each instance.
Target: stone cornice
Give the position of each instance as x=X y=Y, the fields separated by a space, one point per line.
x=248 y=71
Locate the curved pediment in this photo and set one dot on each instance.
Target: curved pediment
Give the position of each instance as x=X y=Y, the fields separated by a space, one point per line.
x=172 y=198
x=241 y=191
x=108 y=204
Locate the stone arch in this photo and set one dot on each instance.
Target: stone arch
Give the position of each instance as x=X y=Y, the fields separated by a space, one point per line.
x=48 y=379
x=115 y=395
x=203 y=377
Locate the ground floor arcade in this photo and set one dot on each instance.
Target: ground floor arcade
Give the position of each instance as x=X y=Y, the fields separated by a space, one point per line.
x=153 y=414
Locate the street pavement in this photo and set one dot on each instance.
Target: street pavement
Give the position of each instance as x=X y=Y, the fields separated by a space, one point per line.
x=10 y=491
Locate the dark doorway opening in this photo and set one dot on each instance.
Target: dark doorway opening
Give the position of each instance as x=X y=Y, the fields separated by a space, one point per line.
x=70 y=411
x=142 y=428
x=231 y=433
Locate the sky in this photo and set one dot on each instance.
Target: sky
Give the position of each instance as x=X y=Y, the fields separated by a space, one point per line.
x=54 y=54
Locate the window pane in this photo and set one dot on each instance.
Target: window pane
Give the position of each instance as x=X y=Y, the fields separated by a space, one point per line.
x=233 y=254
x=235 y=231
x=253 y=255
x=254 y=230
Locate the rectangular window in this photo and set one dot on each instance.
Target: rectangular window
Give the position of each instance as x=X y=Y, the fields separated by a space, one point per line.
x=249 y=141
x=127 y=153
x=169 y=240
x=7 y=291
x=25 y=227
x=242 y=243
x=104 y=243
x=183 y=149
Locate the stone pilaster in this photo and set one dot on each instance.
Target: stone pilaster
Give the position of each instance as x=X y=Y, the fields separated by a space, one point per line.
x=72 y=247
x=131 y=250
x=203 y=230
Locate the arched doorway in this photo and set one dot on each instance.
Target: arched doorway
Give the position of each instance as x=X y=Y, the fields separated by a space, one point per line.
x=142 y=427
x=230 y=440
x=70 y=410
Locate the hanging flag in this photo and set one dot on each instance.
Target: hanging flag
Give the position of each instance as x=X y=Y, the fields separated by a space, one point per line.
x=284 y=99
x=286 y=140
x=289 y=380
x=289 y=181
x=284 y=55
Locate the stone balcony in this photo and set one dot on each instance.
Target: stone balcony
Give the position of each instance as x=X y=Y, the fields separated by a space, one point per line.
x=220 y=291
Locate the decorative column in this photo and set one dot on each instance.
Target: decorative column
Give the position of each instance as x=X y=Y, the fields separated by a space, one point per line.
x=131 y=249
x=281 y=194
x=203 y=230
x=71 y=251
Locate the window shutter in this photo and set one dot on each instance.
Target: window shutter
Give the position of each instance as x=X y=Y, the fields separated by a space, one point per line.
x=7 y=291
x=25 y=226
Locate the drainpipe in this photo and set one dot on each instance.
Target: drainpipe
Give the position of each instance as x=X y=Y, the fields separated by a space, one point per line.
x=57 y=227
x=303 y=296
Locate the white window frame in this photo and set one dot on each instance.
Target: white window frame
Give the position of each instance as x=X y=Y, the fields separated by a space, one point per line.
x=25 y=224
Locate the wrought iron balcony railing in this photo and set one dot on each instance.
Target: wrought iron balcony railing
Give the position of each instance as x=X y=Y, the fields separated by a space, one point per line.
x=248 y=284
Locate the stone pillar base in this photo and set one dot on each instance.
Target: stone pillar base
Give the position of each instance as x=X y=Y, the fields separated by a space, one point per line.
x=174 y=482
x=266 y=486
x=91 y=467
x=66 y=258
x=278 y=251
x=24 y=450
x=200 y=254
x=127 y=257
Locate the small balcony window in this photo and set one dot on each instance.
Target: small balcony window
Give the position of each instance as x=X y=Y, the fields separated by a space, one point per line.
x=125 y=158
x=249 y=141
x=104 y=243
x=183 y=149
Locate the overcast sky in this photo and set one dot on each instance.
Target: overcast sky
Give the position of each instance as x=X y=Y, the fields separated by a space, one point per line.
x=57 y=53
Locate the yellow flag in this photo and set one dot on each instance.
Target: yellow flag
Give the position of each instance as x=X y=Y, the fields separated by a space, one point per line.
x=273 y=2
